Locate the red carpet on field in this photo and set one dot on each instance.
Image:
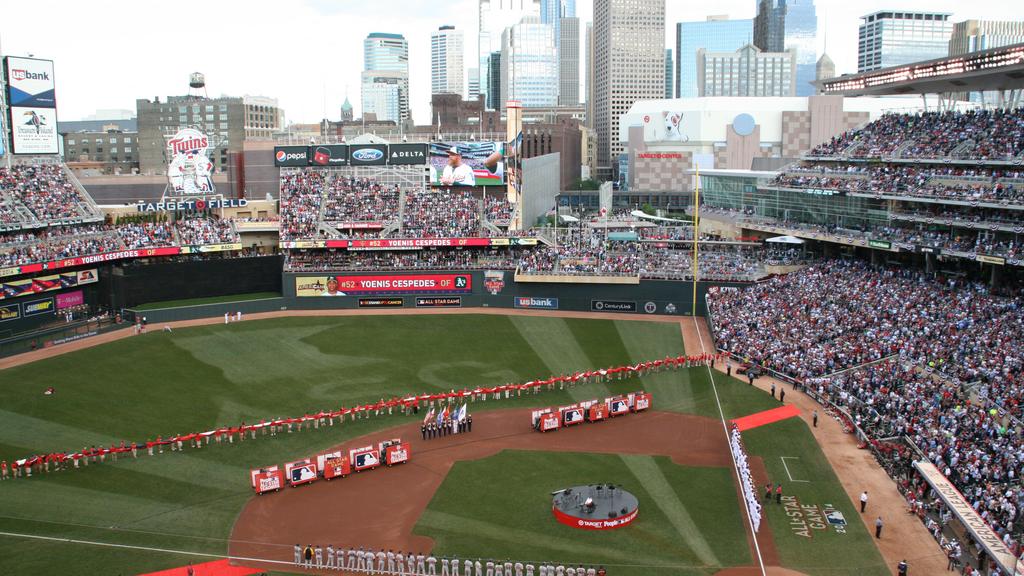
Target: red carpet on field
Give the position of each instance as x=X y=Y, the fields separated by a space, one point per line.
x=767 y=417
x=216 y=568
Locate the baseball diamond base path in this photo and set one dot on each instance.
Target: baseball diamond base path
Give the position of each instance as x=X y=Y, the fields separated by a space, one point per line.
x=379 y=508
x=904 y=536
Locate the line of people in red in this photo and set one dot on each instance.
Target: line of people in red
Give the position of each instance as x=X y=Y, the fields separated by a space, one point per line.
x=42 y=463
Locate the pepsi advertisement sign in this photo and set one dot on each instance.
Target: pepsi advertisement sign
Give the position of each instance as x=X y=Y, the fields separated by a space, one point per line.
x=407 y=154
x=291 y=156
x=334 y=155
x=368 y=155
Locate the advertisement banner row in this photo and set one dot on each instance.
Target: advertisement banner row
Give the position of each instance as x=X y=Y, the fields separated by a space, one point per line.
x=410 y=243
x=306 y=286
x=119 y=255
x=462 y=163
x=26 y=309
x=354 y=155
x=27 y=286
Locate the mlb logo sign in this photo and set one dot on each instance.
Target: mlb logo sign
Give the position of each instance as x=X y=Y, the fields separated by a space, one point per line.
x=618 y=406
x=365 y=459
x=572 y=416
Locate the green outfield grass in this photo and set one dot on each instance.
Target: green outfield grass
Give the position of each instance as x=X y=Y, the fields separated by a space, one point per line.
x=210 y=300
x=689 y=521
x=203 y=377
x=804 y=543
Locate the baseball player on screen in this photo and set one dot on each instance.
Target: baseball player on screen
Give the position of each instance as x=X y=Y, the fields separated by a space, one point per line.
x=456 y=172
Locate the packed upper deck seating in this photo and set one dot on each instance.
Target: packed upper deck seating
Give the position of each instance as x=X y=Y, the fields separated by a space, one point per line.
x=44 y=191
x=440 y=214
x=974 y=135
x=301 y=195
x=354 y=200
x=201 y=230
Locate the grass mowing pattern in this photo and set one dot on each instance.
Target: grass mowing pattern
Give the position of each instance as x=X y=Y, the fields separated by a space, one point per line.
x=202 y=377
x=470 y=517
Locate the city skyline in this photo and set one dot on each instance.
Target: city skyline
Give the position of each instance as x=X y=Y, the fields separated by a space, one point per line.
x=316 y=71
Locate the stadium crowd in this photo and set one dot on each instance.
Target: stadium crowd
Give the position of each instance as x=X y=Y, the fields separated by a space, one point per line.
x=430 y=214
x=200 y=230
x=949 y=374
x=585 y=251
x=984 y=135
x=351 y=200
x=60 y=242
x=939 y=181
x=498 y=209
x=301 y=194
x=27 y=247
x=963 y=240
x=146 y=234
x=331 y=260
x=44 y=190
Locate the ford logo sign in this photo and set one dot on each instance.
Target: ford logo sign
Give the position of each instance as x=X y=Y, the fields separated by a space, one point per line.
x=367 y=154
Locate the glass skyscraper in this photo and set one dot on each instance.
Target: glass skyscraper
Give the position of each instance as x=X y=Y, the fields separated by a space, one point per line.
x=446 y=69
x=552 y=10
x=891 y=38
x=493 y=17
x=790 y=25
x=529 y=64
x=802 y=34
x=669 y=73
x=385 y=77
x=383 y=51
x=716 y=34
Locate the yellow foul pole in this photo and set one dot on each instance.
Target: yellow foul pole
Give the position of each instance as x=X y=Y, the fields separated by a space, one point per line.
x=696 y=237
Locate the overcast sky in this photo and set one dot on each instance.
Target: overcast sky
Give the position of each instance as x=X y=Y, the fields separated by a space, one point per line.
x=308 y=53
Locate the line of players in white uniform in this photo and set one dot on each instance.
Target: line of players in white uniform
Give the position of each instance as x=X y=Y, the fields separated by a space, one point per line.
x=398 y=564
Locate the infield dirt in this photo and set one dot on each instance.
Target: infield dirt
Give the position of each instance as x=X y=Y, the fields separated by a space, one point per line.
x=379 y=508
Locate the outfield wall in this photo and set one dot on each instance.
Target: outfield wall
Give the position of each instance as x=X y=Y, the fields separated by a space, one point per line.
x=483 y=290
x=491 y=289
x=132 y=284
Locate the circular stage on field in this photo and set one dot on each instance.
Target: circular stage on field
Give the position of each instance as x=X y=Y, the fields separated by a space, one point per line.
x=594 y=507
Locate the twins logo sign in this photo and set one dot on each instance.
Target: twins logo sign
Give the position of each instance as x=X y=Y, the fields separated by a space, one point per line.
x=190 y=170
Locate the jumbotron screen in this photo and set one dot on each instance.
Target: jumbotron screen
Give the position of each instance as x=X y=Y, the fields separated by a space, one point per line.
x=467 y=164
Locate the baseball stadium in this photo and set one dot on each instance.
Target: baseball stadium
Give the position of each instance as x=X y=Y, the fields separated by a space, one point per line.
x=424 y=356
